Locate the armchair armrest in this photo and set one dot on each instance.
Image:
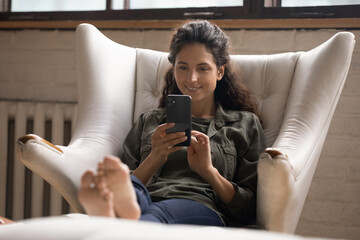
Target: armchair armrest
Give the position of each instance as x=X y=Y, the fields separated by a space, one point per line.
x=284 y=179
x=105 y=114
x=23 y=140
x=51 y=162
x=61 y=166
x=275 y=189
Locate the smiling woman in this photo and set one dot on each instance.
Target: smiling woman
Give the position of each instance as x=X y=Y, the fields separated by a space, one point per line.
x=196 y=75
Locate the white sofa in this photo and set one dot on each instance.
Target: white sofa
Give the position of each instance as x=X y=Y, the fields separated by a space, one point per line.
x=297 y=93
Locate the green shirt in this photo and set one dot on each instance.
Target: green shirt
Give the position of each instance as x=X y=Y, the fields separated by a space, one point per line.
x=236 y=141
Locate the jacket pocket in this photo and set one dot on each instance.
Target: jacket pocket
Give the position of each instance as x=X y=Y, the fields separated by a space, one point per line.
x=233 y=156
x=230 y=158
x=224 y=159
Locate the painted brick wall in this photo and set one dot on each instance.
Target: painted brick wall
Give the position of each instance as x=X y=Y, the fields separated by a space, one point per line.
x=40 y=66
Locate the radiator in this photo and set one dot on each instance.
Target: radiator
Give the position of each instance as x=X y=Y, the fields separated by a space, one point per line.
x=23 y=194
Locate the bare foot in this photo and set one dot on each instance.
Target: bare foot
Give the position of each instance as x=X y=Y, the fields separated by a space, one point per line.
x=4 y=221
x=117 y=177
x=94 y=197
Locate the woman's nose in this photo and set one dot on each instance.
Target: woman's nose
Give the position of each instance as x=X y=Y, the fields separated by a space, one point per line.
x=193 y=76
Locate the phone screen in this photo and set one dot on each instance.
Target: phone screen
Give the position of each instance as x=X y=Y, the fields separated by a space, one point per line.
x=178 y=111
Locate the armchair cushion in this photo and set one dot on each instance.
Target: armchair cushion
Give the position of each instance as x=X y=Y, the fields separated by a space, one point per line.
x=76 y=227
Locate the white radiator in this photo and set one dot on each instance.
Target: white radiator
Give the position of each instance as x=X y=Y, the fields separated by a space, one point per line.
x=24 y=194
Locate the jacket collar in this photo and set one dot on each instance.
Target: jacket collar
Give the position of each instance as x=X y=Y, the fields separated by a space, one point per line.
x=225 y=115
x=222 y=116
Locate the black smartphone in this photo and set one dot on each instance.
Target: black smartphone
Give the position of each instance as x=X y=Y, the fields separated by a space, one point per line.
x=178 y=111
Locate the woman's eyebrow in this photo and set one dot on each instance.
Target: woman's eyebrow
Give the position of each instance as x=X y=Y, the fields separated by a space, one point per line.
x=199 y=64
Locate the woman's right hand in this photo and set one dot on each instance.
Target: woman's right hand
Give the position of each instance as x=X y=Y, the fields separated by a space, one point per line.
x=163 y=144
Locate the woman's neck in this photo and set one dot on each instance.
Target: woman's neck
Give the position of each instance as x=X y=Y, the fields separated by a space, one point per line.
x=205 y=110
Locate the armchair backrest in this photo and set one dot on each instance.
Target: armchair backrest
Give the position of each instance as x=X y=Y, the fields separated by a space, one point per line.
x=268 y=78
x=298 y=85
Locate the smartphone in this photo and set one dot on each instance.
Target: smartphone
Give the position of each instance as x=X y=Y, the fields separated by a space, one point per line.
x=178 y=111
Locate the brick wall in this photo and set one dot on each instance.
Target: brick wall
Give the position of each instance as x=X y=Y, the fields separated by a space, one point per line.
x=40 y=66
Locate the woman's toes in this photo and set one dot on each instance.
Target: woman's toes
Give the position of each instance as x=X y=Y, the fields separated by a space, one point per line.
x=87 y=179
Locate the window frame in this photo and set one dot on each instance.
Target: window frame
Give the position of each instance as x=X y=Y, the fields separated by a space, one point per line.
x=251 y=10
x=130 y=14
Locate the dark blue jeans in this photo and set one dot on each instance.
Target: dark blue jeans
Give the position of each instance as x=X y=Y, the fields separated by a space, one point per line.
x=173 y=211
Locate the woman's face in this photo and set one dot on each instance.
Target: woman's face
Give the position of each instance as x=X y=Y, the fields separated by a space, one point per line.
x=196 y=73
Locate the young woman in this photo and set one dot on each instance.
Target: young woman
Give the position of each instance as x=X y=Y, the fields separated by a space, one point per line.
x=211 y=182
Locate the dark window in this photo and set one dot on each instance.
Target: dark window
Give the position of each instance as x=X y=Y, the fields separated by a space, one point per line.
x=175 y=9
x=57 y=5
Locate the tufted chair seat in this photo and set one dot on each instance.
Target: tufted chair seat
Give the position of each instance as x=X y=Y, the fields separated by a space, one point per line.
x=297 y=93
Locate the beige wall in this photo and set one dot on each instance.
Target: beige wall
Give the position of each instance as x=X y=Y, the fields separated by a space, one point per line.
x=40 y=66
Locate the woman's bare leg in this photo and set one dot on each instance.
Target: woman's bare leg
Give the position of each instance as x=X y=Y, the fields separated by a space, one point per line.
x=117 y=177
x=96 y=199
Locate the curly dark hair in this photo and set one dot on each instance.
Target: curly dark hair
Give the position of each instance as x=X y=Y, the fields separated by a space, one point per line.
x=230 y=92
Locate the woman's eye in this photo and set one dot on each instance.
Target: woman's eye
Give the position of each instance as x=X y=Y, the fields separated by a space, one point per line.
x=182 y=67
x=204 y=69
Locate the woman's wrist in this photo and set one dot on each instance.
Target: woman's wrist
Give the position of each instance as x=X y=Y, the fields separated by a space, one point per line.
x=145 y=171
x=222 y=187
x=157 y=159
x=210 y=175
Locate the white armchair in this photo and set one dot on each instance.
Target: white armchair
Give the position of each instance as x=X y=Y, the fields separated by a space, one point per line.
x=297 y=94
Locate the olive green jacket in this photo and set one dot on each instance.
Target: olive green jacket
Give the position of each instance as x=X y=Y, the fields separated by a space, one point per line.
x=236 y=141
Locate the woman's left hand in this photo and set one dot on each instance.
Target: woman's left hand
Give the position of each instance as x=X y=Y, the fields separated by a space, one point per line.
x=199 y=158
x=199 y=154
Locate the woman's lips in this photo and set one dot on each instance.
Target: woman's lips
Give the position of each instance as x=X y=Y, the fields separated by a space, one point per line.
x=192 y=89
